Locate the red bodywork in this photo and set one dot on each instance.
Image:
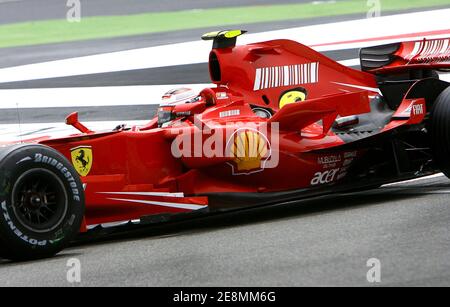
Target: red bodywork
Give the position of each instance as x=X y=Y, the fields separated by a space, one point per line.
x=424 y=54
x=134 y=173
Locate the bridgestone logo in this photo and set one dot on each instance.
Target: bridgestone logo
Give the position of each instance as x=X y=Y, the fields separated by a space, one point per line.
x=39 y=158
x=17 y=232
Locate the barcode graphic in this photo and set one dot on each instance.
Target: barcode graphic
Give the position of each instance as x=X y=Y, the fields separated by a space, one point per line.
x=279 y=76
x=431 y=50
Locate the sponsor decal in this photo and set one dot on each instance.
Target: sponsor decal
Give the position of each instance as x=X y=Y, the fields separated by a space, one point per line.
x=17 y=232
x=230 y=113
x=331 y=165
x=418 y=109
x=324 y=177
x=293 y=96
x=40 y=158
x=82 y=159
x=245 y=146
x=329 y=159
x=250 y=150
x=413 y=110
x=222 y=95
x=185 y=113
x=289 y=75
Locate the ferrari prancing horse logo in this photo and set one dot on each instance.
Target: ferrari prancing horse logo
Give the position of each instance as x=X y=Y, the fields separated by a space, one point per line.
x=82 y=159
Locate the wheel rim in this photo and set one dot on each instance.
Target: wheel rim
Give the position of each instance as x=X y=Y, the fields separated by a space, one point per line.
x=39 y=200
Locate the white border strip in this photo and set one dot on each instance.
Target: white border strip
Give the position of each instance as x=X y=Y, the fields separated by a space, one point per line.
x=163 y=204
x=197 y=51
x=88 y=96
x=160 y=194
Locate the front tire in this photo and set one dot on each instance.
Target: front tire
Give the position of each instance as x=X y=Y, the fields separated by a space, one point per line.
x=41 y=202
x=440 y=131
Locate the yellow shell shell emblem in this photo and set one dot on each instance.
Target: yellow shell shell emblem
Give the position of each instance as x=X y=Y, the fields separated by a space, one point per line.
x=249 y=149
x=82 y=159
x=292 y=97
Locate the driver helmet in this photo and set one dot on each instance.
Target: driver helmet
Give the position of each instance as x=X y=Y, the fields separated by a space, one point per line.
x=178 y=96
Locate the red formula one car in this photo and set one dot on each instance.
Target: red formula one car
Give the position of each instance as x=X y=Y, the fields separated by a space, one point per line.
x=283 y=123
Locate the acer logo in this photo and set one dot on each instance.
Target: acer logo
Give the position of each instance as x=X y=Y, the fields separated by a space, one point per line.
x=324 y=177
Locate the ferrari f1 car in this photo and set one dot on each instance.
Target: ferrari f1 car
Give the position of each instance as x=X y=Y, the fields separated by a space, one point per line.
x=283 y=122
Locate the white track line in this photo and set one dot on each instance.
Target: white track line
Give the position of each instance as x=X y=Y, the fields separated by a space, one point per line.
x=17 y=132
x=197 y=51
x=87 y=96
x=9 y=1
x=97 y=96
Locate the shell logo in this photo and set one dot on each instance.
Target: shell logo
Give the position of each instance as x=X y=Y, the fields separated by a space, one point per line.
x=250 y=149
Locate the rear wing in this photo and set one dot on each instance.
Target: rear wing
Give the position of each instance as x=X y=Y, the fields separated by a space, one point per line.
x=423 y=54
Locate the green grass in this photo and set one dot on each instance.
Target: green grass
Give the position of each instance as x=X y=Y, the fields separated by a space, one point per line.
x=53 y=31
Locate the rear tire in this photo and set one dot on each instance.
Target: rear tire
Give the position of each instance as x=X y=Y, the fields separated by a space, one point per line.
x=440 y=131
x=2 y=253
x=41 y=202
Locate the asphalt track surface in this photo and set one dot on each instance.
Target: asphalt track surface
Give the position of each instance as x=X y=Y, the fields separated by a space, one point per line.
x=15 y=56
x=321 y=242
x=181 y=74
x=12 y=11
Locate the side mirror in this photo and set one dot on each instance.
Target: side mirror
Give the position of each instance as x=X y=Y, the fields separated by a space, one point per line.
x=72 y=120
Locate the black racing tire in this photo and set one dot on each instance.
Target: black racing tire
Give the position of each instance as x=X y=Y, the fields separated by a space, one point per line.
x=440 y=131
x=2 y=253
x=41 y=202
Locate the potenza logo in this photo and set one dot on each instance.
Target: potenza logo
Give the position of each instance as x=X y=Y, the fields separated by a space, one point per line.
x=17 y=232
x=289 y=75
